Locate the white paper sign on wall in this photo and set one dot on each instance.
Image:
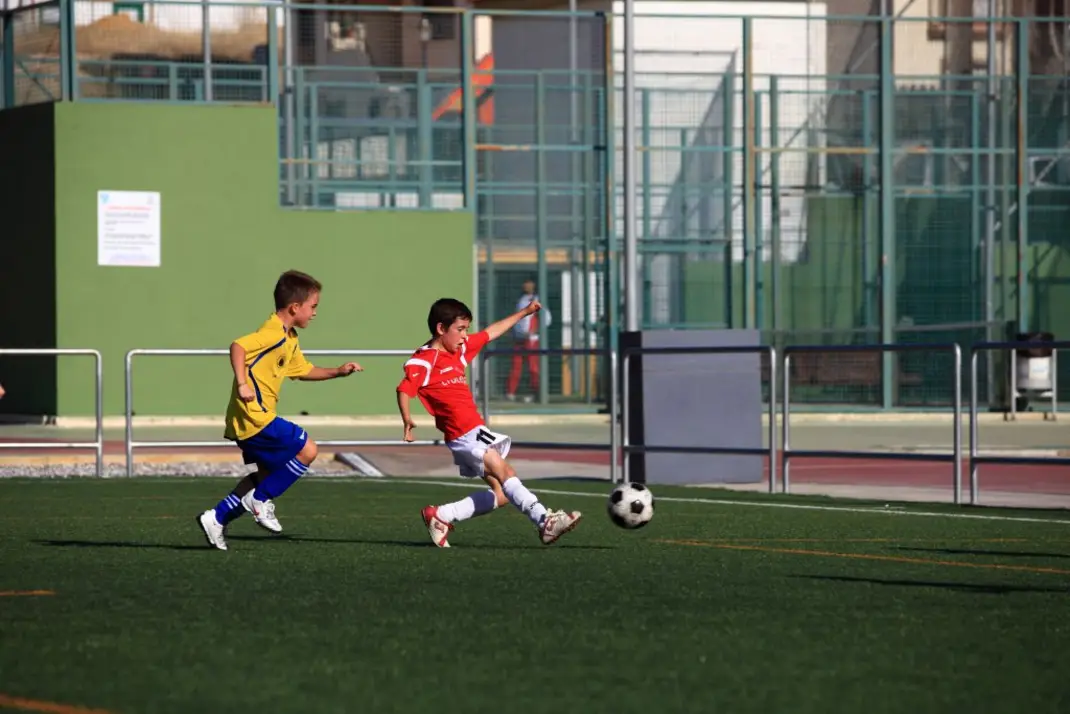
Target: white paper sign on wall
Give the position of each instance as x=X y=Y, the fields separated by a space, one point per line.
x=128 y=228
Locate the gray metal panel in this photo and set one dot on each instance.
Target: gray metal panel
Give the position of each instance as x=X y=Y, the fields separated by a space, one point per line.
x=702 y=400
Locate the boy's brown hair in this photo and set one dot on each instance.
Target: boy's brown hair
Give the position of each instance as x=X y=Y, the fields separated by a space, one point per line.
x=294 y=286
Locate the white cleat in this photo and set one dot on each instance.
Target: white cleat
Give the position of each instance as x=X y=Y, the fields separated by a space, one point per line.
x=437 y=528
x=263 y=512
x=213 y=529
x=557 y=524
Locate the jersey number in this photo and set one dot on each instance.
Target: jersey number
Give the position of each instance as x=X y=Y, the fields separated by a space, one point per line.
x=485 y=437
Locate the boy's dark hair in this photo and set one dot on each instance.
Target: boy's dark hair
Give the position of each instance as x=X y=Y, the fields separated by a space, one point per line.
x=294 y=286
x=446 y=311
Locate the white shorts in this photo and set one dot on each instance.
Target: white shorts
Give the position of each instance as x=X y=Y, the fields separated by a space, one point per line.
x=469 y=450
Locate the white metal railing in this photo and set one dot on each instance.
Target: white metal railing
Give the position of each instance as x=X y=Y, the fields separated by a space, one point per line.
x=131 y=444
x=955 y=457
x=614 y=437
x=97 y=444
x=976 y=459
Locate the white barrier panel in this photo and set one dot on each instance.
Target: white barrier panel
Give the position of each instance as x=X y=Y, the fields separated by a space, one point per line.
x=131 y=444
x=975 y=457
x=98 y=444
x=768 y=450
x=614 y=443
x=955 y=457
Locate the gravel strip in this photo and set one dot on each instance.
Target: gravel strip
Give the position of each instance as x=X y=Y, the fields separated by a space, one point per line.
x=192 y=468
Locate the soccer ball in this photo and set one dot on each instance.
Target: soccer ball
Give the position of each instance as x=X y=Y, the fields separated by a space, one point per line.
x=631 y=505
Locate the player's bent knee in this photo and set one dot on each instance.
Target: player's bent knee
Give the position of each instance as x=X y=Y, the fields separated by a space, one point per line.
x=497 y=467
x=308 y=453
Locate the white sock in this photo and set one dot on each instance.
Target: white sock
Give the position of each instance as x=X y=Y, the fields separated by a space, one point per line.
x=525 y=501
x=475 y=504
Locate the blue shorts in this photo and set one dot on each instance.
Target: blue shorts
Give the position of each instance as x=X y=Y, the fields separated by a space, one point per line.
x=274 y=445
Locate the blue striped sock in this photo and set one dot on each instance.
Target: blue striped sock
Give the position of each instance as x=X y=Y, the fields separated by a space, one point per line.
x=276 y=483
x=228 y=509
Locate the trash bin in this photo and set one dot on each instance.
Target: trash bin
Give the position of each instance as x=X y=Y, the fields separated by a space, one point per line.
x=1033 y=373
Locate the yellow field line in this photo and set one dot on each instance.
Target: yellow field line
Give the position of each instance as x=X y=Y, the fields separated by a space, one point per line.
x=25 y=593
x=861 y=540
x=868 y=556
x=36 y=705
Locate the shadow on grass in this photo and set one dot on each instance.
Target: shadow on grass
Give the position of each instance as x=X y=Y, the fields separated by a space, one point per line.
x=960 y=587
x=118 y=544
x=969 y=551
x=301 y=539
x=415 y=543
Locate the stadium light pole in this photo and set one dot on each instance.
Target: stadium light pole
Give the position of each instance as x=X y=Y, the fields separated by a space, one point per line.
x=631 y=253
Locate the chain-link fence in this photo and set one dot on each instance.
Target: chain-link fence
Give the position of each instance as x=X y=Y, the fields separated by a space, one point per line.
x=30 y=49
x=807 y=175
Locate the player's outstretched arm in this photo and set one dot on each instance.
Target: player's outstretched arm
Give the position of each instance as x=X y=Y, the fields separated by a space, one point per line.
x=237 y=363
x=1 y=391
x=406 y=415
x=319 y=374
x=499 y=328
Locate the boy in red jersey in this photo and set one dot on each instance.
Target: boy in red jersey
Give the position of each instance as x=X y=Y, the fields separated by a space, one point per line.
x=436 y=375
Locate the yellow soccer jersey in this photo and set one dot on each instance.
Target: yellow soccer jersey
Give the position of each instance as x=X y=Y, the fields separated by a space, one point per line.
x=271 y=353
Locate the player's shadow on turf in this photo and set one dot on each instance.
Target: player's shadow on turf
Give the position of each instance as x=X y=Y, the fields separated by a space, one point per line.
x=961 y=587
x=970 y=551
x=405 y=543
x=117 y=544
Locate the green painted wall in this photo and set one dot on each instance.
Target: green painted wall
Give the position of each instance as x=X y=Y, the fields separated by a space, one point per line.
x=27 y=259
x=224 y=241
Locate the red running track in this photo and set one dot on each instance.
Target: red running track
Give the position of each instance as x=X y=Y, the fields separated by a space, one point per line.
x=1039 y=478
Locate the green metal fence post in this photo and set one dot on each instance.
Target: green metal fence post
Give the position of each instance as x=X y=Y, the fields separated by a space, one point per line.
x=540 y=226
x=590 y=181
x=300 y=141
x=611 y=306
x=749 y=176
x=468 y=115
x=887 y=209
x=870 y=263
x=1021 y=71
x=272 y=56
x=727 y=222
x=977 y=215
x=644 y=236
x=68 y=62
x=759 y=283
x=314 y=148
x=577 y=194
x=424 y=139
x=7 y=60
x=774 y=195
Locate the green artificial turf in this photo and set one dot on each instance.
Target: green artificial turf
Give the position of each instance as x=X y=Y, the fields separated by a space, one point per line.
x=715 y=607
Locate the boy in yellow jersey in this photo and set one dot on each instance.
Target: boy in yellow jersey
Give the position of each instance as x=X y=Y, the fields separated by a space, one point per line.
x=280 y=449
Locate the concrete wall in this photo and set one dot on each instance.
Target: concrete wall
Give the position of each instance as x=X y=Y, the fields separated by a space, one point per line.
x=224 y=242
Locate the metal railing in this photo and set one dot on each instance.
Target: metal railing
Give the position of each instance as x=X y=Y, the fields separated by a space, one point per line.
x=976 y=459
x=768 y=450
x=614 y=437
x=131 y=444
x=98 y=443
x=955 y=457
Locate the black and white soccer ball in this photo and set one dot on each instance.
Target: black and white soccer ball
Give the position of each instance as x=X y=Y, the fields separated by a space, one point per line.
x=631 y=505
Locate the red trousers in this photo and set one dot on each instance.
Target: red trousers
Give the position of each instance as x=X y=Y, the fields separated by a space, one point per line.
x=518 y=365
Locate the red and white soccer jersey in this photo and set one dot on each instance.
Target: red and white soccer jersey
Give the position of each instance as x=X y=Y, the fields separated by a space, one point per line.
x=439 y=380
